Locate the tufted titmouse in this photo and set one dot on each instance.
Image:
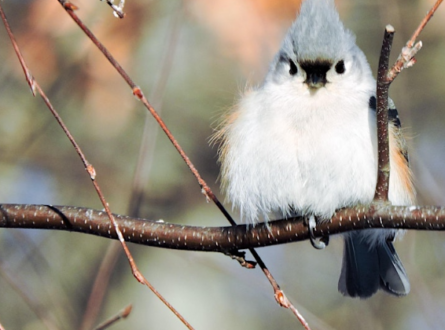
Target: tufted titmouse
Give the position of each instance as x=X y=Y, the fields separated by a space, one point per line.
x=304 y=142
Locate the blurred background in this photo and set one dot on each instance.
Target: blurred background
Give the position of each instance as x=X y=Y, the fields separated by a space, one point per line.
x=191 y=58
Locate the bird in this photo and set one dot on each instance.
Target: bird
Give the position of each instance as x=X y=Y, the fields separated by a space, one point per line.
x=304 y=142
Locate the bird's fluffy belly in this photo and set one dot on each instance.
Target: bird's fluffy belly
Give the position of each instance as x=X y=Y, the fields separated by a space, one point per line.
x=284 y=165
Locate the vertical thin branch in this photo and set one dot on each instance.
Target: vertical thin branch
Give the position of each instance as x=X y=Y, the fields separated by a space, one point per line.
x=381 y=192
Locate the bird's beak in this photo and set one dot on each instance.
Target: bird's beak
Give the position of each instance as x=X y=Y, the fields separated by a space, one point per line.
x=316 y=79
x=316 y=72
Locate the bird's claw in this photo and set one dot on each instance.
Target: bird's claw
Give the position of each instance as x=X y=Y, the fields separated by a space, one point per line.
x=321 y=243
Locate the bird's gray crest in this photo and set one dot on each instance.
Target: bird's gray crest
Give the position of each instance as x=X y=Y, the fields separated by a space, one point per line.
x=318 y=33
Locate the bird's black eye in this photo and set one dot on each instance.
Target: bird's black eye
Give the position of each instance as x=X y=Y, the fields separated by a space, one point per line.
x=340 y=67
x=293 y=68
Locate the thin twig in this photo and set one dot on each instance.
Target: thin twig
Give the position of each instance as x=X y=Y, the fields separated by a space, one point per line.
x=29 y=78
x=382 y=187
x=284 y=301
x=117 y=10
x=406 y=57
x=89 y=168
x=279 y=295
x=422 y=24
x=121 y=315
x=140 y=95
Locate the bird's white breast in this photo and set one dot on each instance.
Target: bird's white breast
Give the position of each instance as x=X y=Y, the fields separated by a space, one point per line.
x=315 y=153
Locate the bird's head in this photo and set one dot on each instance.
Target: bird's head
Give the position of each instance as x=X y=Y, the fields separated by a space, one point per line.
x=318 y=50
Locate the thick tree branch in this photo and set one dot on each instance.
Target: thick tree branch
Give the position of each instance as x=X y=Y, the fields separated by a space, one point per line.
x=217 y=239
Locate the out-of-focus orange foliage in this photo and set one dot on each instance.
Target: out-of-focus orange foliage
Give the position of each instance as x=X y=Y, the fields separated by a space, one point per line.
x=101 y=87
x=249 y=30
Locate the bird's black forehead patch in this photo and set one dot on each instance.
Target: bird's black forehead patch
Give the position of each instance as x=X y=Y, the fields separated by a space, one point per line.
x=316 y=66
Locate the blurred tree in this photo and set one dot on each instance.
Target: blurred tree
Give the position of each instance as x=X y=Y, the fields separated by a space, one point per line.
x=221 y=46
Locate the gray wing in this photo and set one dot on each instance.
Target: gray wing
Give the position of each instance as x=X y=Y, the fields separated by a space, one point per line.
x=393 y=117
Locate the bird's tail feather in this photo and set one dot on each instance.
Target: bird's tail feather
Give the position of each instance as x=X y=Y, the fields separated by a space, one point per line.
x=393 y=278
x=367 y=268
